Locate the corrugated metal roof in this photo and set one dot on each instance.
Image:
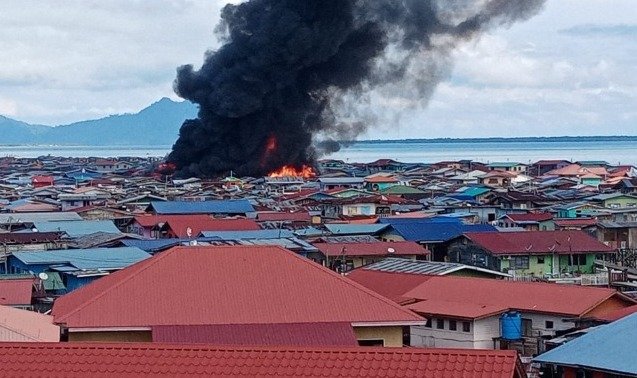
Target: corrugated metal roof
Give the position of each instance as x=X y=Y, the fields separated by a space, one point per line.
x=249 y=234
x=187 y=360
x=26 y=326
x=78 y=228
x=85 y=259
x=16 y=292
x=39 y=217
x=524 y=296
x=298 y=334
x=202 y=207
x=538 y=242
x=377 y=248
x=224 y=285
x=609 y=348
x=355 y=229
x=438 y=231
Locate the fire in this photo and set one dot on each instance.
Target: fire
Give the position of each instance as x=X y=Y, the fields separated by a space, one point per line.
x=304 y=171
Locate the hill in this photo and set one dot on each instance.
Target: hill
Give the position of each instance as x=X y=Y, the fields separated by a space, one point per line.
x=158 y=124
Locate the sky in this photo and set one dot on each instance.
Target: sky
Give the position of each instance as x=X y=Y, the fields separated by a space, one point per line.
x=571 y=70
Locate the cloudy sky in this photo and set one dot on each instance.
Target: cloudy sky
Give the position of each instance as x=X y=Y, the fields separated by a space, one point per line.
x=571 y=70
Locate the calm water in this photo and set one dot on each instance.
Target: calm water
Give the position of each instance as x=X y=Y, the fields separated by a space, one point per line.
x=624 y=152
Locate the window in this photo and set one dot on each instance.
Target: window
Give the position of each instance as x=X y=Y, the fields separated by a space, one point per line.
x=520 y=262
x=440 y=323
x=540 y=260
x=577 y=260
x=453 y=326
x=428 y=324
x=527 y=327
x=372 y=342
x=548 y=324
x=466 y=326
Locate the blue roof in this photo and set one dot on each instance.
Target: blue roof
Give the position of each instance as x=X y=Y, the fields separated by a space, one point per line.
x=246 y=235
x=437 y=219
x=153 y=245
x=355 y=229
x=85 y=259
x=438 y=231
x=610 y=347
x=78 y=228
x=473 y=191
x=241 y=206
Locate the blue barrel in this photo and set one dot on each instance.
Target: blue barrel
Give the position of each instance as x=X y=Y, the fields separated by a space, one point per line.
x=511 y=326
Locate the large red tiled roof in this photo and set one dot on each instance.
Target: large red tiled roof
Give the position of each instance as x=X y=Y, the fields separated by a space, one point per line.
x=538 y=242
x=524 y=296
x=179 y=360
x=298 y=334
x=401 y=248
x=16 y=292
x=224 y=285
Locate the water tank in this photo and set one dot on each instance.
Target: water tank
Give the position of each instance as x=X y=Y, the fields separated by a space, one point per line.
x=511 y=326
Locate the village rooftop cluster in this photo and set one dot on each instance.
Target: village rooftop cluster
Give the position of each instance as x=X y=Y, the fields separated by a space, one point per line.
x=449 y=269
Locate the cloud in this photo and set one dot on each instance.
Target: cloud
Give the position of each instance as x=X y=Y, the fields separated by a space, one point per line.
x=589 y=30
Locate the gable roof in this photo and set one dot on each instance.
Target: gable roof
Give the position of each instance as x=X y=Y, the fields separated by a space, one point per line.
x=221 y=285
x=240 y=206
x=181 y=360
x=355 y=229
x=608 y=348
x=540 y=297
x=538 y=242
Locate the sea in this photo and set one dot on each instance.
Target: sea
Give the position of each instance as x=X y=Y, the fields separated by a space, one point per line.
x=614 y=150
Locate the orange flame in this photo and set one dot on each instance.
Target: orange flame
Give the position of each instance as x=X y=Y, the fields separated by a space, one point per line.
x=304 y=171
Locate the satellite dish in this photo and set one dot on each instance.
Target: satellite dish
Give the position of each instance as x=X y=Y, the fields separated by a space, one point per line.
x=43 y=276
x=390 y=250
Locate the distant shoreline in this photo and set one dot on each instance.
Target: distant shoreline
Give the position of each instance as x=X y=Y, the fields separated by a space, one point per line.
x=559 y=139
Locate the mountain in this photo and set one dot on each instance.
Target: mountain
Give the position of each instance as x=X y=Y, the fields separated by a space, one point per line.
x=158 y=124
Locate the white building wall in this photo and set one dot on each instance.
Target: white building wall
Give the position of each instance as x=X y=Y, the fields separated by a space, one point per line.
x=539 y=323
x=485 y=330
x=480 y=336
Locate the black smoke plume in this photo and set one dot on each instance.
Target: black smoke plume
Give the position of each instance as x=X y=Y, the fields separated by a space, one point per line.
x=289 y=72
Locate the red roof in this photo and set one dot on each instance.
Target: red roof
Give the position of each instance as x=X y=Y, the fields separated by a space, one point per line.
x=401 y=248
x=456 y=309
x=575 y=222
x=273 y=216
x=538 y=242
x=175 y=360
x=298 y=334
x=179 y=224
x=16 y=292
x=392 y=285
x=618 y=314
x=42 y=179
x=524 y=296
x=184 y=227
x=530 y=217
x=217 y=285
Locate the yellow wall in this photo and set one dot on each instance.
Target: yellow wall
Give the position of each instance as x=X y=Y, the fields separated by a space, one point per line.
x=393 y=336
x=124 y=336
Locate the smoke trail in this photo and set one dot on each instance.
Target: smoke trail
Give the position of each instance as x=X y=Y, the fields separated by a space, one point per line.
x=289 y=71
